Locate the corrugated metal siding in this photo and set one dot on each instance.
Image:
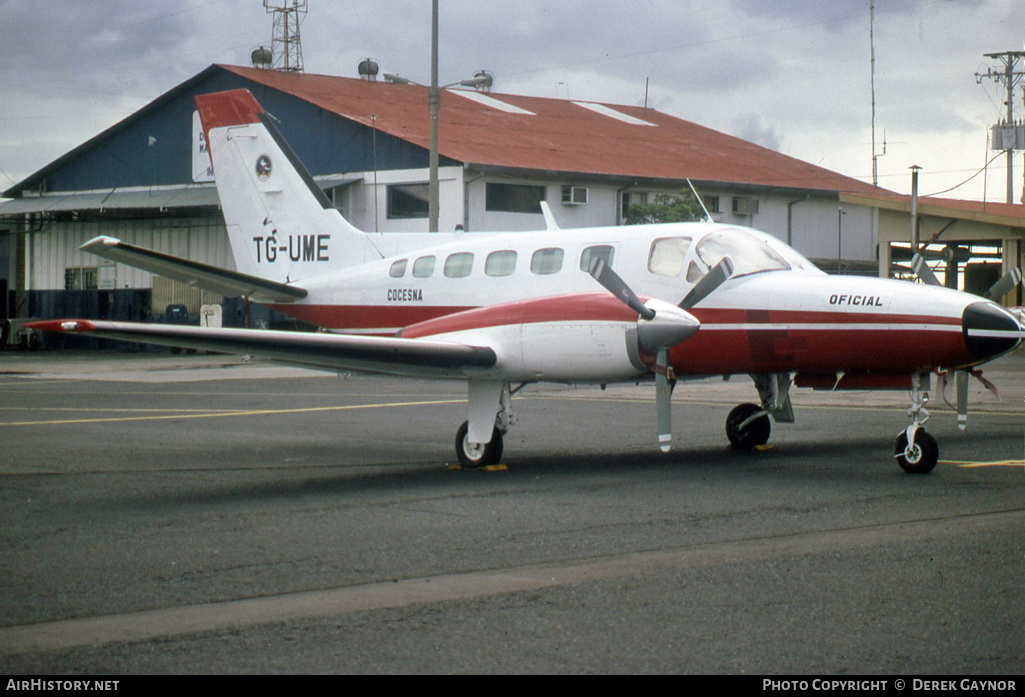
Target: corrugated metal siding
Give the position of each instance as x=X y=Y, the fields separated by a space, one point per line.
x=55 y=249
x=169 y=292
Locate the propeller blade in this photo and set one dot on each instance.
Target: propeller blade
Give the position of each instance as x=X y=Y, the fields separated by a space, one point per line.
x=708 y=283
x=961 y=378
x=665 y=381
x=611 y=281
x=1005 y=285
x=922 y=270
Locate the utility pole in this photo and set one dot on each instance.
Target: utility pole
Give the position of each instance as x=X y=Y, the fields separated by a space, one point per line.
x=1007 y=135
x=872 y=49
x=434 y=101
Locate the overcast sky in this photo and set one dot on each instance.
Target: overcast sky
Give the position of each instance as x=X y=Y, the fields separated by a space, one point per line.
x=793 y=75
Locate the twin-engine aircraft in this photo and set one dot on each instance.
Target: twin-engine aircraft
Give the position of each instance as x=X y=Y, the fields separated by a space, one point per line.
x=654 y=303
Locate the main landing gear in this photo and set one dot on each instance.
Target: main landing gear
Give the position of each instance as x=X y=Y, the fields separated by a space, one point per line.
x=490 y=405
x=478 y=455
x=915 y=450
x=748 y=425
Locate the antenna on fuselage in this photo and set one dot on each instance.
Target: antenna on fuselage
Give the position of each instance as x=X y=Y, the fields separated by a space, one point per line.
x=708 y=216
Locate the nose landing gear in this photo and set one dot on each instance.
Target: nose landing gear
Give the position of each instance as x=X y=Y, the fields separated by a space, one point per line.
x=915 y=450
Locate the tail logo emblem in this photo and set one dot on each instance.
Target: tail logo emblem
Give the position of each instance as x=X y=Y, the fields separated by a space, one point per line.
x=263 y=168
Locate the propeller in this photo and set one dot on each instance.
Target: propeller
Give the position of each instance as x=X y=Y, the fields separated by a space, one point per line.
x=716 y=276
x=1005 y=285
x=961 y=385
x=660 y=326
x=613 y=283
x=922 y=270
x=999 y=289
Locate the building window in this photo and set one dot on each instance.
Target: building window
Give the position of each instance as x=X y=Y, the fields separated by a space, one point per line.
x=86 y=278
x=423 y=267
x=592 y=254
x=408 y=201
x=459 y=265
x=546 y=261
x=633 y=198
x=514 y=198
x=501 y=263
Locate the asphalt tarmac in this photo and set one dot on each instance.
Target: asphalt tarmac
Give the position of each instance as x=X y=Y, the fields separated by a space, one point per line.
x=197 y=514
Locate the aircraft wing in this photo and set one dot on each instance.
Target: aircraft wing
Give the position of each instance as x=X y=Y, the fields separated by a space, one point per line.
x=212 y=278
x=393 y=356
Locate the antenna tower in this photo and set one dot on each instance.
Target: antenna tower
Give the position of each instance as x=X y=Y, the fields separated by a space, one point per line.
x=286 y=44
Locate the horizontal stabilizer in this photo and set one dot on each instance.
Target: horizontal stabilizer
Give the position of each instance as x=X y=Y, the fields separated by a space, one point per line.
x=212 y=278
x=391 y=356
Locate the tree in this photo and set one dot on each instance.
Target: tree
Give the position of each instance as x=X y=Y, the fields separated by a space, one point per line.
x=680 y=207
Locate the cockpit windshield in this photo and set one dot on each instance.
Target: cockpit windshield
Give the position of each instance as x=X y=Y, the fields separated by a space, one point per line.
x=748 y=253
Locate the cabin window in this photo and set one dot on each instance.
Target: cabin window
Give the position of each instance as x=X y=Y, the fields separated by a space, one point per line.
x=513 y=198
x=408 y=201
x=667 y=255
x=459 y=265
x=546 y=261
x=593 y=254
x=747 y=252
x=501 y=263
x=398 y=269
x=423 y=267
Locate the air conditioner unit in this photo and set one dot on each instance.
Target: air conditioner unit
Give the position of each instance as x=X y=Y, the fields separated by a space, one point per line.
x=574 y=195
x=743 y=205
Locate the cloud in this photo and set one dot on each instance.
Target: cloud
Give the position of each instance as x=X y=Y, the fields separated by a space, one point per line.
x=751 y=127
x=793 y=75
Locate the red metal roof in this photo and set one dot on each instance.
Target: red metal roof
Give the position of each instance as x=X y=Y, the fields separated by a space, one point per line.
x=559 y=135
x=1010 y=214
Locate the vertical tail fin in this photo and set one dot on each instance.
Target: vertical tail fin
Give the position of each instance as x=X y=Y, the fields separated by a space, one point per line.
x=280 y=223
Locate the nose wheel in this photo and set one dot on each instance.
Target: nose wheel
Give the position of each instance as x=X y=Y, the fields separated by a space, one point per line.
x=917 y=456
x=915 y=450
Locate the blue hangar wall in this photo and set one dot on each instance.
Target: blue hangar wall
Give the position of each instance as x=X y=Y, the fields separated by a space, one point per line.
x=122 y=156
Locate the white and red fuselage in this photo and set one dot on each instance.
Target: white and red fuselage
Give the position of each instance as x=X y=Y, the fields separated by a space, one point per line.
x=561 y=325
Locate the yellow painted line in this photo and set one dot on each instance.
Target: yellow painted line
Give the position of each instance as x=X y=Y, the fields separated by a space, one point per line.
x=114 y=411
x=253 y=412
x=967 y=464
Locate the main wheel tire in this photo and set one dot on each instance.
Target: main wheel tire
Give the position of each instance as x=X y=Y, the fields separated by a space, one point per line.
x=755 y=433
x=923 y=455
x=481 y=456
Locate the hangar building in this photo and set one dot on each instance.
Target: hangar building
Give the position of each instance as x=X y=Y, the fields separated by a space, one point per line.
x=147 y=181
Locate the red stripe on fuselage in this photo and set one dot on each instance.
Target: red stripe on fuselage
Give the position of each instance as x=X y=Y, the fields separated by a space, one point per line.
x=755 y=340
x=593 y=307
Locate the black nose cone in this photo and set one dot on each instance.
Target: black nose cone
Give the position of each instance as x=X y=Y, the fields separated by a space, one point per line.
x=989 y=330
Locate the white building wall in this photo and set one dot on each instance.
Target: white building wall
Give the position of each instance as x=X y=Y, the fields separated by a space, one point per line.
x=814 y=228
